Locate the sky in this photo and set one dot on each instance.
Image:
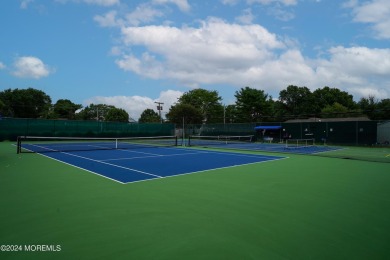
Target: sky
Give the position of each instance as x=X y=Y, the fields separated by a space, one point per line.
x=131 y=54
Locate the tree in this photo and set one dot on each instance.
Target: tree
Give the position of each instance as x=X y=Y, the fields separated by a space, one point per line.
x=297 y=101
x=65 y=108
x=117 y=115
x=252 y=104
x=334 y=110
x=25 y=103
x=189 y=113
x=2 y=107
x=207 y=102
x=328 y=96
x=231 y=114
x=374 y=109
x=6 y=99
x=149 y=116
x=277 y=111
x=383 y=109
x=94 y=112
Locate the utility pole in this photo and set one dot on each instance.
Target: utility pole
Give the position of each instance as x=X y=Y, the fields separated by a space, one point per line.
x=224 y=114
x=159 y=108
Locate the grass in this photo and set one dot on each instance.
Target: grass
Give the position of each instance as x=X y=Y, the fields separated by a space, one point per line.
x=304 y=207
x=374 y=154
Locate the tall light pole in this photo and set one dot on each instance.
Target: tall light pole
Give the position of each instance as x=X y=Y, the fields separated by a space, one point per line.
x=224 y=114
x=159 y=108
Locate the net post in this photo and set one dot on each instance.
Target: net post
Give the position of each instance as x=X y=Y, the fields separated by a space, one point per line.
x=18 y=145
x=183 y=134
x=116 y=143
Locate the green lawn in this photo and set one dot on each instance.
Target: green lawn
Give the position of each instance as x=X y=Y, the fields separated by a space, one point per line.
x=303 y=207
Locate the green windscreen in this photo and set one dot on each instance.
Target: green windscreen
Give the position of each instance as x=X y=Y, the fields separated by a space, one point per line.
x=11 y=128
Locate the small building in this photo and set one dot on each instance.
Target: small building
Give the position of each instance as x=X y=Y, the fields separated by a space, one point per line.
x=359 y=131
x=268 y=133
x=383 y=135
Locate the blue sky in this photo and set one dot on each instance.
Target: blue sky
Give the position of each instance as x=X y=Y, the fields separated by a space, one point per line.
x=133 y=53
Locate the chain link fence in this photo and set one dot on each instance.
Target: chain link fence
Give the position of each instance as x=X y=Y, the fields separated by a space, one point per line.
x=11 y=128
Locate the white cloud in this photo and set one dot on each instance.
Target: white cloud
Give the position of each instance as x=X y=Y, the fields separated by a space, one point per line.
x=108 y=20
x=135 y=105
x=359 y=70
x=102 y=2
x=115 y=51
x=24 y=3
x=370 y=91
x=93 y=2
x=143 y=13
x=183 y=5
x=263 y=2
x=207 y=54
x=230 y=2
x=361 y=61
x=267 y=2
x=247 y=17
x=2 y=66
x=221 y=53
x=216 y=52
x=278 y=8
x=280 y=13
x=30 y=67
x=350 y=4
x=376 y=13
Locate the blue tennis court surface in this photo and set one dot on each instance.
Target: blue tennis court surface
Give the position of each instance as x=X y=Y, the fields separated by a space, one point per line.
x=133 y=165
x=269 y=147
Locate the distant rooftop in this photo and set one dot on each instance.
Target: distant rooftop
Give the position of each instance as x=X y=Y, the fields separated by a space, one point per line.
x=336 y=119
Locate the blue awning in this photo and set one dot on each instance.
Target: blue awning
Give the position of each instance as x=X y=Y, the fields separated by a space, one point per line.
x=268 y=127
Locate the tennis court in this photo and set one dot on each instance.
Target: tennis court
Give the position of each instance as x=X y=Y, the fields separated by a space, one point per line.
x=295 y=146
x=303 y=207
x=136 y=159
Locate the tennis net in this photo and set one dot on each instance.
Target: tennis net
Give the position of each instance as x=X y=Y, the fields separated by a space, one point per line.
x=40 y=144
x=198 y=140
x=299 y=143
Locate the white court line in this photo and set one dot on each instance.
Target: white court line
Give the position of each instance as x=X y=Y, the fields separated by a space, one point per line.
x=114 y=165
x=78 y=167
x=275 y=158
x=212 y=169
x=329 y=151
x=133 y=151
x=118 y=166
x=241 y=154
x=226 y=167
x=41 y=154
x=151 y=156
x=198 y=152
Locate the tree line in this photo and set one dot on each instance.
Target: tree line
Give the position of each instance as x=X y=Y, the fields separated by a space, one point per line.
x=254 y=105
x=205 y=106
x=33 y=103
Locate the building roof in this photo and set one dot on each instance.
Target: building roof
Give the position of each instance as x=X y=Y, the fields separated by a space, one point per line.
x=338 y=119
x=268 y=127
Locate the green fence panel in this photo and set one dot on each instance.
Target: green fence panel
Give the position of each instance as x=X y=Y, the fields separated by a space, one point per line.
x=361 y=133
x=10 y=128
x=346 y=132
